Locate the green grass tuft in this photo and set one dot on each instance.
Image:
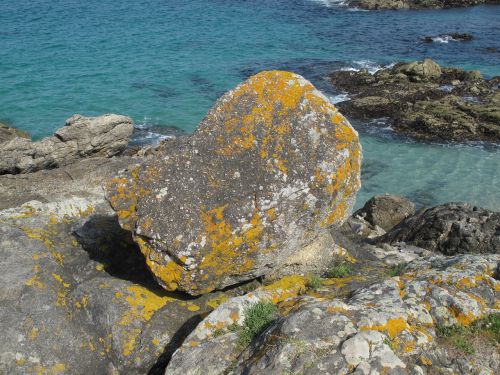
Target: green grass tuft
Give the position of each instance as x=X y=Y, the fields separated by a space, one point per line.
x=314 y=282
x=339 y=271
x=398 y=269
x=257 y=318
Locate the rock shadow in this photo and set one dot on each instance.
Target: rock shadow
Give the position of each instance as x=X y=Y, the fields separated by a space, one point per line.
x=107 y=243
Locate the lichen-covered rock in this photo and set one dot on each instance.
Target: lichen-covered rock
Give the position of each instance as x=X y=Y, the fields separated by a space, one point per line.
x=450 y=229
x=271 y=165
x=419 y=70
x=77 y=296
x=389 y=327
x=386 y=211
x=81 y=137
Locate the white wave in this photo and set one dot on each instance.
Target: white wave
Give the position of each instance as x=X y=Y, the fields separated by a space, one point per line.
x=442 y=39
x=331 y=3
x=339 y=98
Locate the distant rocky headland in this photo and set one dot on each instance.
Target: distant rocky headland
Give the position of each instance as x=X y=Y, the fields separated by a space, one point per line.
x=235 y=250
x=416 y=4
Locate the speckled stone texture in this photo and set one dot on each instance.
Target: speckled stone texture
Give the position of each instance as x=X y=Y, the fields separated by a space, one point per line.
x=270 y=167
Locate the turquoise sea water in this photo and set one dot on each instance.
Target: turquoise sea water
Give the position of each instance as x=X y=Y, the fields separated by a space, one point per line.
x=165 y=62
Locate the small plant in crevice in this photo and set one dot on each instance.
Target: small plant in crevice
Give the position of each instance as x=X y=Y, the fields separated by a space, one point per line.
x=339 y=271
x=314 y=282
x=257 y=317
x=398 y=269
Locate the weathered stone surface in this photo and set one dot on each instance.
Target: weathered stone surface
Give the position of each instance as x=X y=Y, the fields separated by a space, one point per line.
x=7 y=133
x=80 y=298
x=272 y=164
x=450 y=229
x=425 y=101
x=386 y=211
x=81 y=137
x=386 y=328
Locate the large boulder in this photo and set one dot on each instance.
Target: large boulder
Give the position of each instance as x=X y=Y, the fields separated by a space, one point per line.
x=426 y=69
x=270 y=167
x=81 y=137
x=386 y=211
x=450 y=229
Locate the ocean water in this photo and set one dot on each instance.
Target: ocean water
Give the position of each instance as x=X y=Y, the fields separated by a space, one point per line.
x=165 y=62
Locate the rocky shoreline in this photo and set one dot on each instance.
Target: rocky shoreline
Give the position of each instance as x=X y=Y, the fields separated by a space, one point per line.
x=425 y=101
x=235 y=250
x=416 y=4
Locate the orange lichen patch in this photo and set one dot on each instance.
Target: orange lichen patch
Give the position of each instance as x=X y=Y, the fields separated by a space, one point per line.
x=409 y=346
x=468 y=283
x=230 y=253
x=287 y=287
x=169 y=273
x=463 y=317
x=339 y=283
x=216 y=301
x=193 y=343
x=218 y=325
x=401 y=286
x=425 y=360
x=235 y=316
x=393 y=327
x=44 y=236
x=271 y=214
x=192 y=307
x=336 y=309
x=56 y=369
x=82 y=303
x=143 y=304
x=35 y=280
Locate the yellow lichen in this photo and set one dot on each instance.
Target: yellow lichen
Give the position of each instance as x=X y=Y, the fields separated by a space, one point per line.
x=393 y=327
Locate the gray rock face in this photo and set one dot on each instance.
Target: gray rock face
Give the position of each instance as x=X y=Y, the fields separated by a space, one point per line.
x=389 y=327
x=386 y=211
x=271 y=166
x=77 y=297
x=7 y=133
x=450 y=229
x=81 y=137
x=419 y=70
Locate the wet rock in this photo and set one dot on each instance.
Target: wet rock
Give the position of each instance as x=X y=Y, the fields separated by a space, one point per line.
x=455 y=37
x=7 y=133
x=381 y=328
x=425 y=101
x=272 y=165
x=386 y=211
x=81 y=137
x=450 y=229
x=419 y=70
x=415 y=4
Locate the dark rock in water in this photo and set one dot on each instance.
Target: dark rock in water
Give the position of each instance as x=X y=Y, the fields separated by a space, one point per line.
x=456 y=37
x=425 y=101
x=386 y=211
x=416 y=4
x=451 y=228
x=7 y=133
x=271 y=166
x=81 y=137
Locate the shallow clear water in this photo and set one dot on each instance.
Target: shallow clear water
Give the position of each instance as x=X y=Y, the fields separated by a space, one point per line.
x=164 y=62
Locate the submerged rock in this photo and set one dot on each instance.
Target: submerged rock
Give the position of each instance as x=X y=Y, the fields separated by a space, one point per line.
x=81 y=137
x=270 y=167
x=386 y=211
x=444 y=38
x=450 y=229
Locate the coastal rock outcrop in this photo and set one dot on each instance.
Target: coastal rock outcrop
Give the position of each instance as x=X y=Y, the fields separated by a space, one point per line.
x=416 y=4
x=425 y=101
x=271 y=166
x=386 y=211
x=7 y=133
x=81 y=137
x=390 y=327
x=450 y=229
